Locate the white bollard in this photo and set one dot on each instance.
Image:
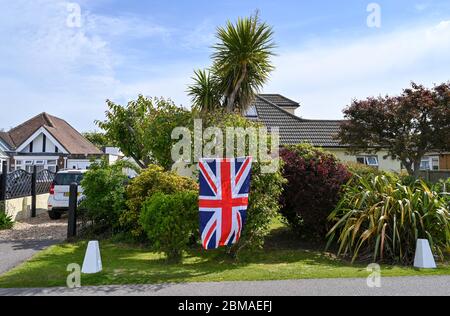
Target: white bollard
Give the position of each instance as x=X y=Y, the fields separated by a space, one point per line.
x=92 y=260
x=424 y=257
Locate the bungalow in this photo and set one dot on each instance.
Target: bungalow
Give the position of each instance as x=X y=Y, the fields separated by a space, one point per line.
x=47 y=142
x=274 y=110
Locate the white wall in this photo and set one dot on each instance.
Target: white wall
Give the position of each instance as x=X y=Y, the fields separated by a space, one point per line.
x=387 y=164
x=37 y=145
x=78 y=164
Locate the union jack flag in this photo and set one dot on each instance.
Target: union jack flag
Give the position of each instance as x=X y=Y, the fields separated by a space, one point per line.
x=224 y=191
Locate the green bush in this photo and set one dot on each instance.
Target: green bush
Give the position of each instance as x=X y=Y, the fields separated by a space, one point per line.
x=380 y=218
x=104 y=189
x=6 y=221
x=151 y=180
x=315 y=178
x=362 y=170
x=170 y=221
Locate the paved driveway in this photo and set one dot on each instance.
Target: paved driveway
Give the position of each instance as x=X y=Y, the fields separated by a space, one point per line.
x=28 y=237
x=411 y=286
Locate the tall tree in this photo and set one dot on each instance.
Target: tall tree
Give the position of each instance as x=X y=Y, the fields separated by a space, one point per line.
x=142 y=129
x=99 y=139
x=407 y=126
x=241 y=65
x=242 y=59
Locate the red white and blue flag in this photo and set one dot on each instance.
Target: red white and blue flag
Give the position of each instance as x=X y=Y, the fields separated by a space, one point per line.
x=224 y=191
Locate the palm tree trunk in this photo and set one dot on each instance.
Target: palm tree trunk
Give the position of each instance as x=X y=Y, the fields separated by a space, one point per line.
x=232 y=97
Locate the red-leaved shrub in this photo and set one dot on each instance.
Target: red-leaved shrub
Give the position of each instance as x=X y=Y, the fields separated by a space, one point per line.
x=314 y=180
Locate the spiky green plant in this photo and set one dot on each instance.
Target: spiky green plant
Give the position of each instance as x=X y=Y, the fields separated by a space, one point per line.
x=205 y=92
x=242 y=60
x=380 y=219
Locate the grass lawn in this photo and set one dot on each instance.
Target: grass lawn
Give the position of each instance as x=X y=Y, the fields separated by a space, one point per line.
x=283 y=258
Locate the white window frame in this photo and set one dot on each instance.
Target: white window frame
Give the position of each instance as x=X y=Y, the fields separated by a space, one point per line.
x=429 y=161
x=27 y=163
x=367 y=159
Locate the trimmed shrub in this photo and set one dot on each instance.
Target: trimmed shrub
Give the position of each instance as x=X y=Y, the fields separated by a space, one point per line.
x=380 y=219
x=104 y=190
x=151 y=180
x=314 y=180
x=170 y=221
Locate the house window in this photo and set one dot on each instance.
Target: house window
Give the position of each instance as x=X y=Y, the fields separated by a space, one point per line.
x=28 y=165
x=361 y=160
x=435 y=163
x=425 y=164
x=429 y=163
x=368 y=160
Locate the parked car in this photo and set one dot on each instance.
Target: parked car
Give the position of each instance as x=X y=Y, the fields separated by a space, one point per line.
x=58 y=202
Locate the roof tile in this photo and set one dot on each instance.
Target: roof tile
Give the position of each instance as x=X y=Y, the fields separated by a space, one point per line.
x=295 y=130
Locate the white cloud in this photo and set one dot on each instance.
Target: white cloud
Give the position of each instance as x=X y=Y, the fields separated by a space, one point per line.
x=68 y=71
x=325 y=76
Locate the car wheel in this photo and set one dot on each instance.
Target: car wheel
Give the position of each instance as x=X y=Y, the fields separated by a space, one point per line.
x=54 y=215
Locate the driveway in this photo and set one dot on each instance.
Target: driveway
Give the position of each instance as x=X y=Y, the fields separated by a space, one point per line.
x=28 y=237
x=409 y=286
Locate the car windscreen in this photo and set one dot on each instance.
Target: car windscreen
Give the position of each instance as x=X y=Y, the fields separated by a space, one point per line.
x=68 y=178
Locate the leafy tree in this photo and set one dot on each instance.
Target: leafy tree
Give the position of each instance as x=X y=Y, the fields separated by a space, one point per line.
x=142 y=129
x=241 y=65
x=99 y=139
x=408 y=126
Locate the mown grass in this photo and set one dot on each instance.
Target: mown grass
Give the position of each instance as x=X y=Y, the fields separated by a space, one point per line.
x=282 y=258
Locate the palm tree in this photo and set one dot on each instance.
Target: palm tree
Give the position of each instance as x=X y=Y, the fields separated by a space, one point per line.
x=242 y=60
x=205 y=92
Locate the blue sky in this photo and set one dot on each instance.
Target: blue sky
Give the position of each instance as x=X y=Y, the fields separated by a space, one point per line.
x=326 y=53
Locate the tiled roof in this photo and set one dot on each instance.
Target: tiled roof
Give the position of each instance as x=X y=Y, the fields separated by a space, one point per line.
x=295 y=130
x=6 y=139
x=280 y=100
x=62 y=131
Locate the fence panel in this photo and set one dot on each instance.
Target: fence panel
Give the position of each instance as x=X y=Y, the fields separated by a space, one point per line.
x=435 y=176
x=18 y=184
x=44 y=180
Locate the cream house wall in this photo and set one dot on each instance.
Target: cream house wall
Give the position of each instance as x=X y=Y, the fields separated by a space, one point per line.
x=387 y=164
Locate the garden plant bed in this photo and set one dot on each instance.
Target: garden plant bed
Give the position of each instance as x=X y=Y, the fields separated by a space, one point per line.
x=282 y=259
